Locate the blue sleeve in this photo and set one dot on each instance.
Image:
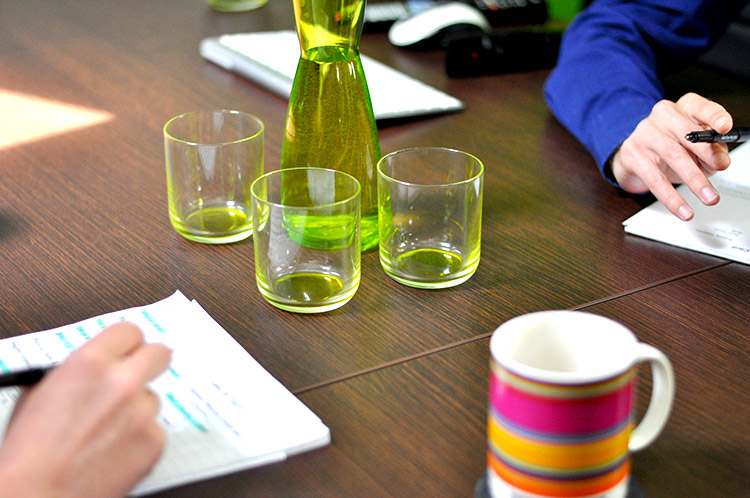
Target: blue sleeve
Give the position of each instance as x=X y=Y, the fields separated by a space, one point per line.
x=607 y=75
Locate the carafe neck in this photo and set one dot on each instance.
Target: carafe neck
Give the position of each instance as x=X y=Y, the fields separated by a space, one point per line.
x=329 y=30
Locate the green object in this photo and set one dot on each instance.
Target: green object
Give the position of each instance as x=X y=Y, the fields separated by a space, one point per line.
x=236 y=5
x=306 y=238
x=564 y=10
x=430 y=202
x=330 y=123
x=212 y=158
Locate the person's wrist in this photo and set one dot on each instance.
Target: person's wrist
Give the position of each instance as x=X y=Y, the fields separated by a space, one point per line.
x=608 y=168
x=15 y=481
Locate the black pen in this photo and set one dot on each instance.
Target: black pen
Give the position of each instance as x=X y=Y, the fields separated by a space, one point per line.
x=734 y=135
x=27 y=377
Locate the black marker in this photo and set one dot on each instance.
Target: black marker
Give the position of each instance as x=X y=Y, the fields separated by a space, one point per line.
x=23 y=377
x=734 y=135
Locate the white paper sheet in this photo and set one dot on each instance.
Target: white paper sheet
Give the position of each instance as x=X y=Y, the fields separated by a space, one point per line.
x=221 y=410
x=721 y=230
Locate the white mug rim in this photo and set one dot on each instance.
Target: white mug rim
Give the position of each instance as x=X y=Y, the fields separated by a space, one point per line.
x=509 y=330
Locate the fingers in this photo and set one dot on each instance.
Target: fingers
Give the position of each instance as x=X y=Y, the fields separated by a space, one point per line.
x=637 y=169
x=696 y=111
x=89 y=416
x=675 y=120
x=653 y=160
x=120 y=348
x=117 y=340
x=148 y=361
x=705 y=112
x=657 y=155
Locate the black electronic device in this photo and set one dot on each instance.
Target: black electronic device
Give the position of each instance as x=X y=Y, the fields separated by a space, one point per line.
x=381 y=14
x=502 y=51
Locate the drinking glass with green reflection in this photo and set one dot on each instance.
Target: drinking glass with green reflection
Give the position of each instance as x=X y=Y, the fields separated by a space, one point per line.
x=212 y=159
x=430 y=216
x=307 y=238
x=236 y=5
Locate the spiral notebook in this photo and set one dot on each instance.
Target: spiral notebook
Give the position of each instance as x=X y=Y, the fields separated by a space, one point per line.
x=270 y=60
x=220 y=409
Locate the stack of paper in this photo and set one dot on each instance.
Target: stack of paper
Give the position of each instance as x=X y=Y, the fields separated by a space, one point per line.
x=270 y=59
x=220 y=409
x=721 y=230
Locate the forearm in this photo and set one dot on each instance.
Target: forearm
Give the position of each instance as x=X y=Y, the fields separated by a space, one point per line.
x=607 y=77
x=600 y=98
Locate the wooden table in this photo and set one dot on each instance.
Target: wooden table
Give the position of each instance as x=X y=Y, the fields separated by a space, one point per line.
x=398 y=374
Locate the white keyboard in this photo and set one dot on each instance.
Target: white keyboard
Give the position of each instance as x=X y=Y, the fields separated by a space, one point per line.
x=270 y=60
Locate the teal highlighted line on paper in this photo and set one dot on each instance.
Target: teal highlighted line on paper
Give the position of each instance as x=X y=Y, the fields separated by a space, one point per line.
x=185 y=413
x=65 y=341
x=153 y=322
x=83 y=333
x=4 y=367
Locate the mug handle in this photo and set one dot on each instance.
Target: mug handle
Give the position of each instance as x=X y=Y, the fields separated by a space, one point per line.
x=662 y=396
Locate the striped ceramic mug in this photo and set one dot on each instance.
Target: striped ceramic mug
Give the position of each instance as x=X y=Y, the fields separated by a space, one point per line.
x=560 y=421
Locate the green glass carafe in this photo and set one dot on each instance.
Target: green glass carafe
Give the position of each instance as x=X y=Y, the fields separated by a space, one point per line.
x=330 y=123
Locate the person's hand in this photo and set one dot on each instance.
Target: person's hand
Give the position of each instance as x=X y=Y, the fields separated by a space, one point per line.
x=89 y=427
x=657 y=155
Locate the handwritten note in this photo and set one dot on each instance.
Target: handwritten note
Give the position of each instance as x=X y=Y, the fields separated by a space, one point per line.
x=220 y=409
x=721 y=230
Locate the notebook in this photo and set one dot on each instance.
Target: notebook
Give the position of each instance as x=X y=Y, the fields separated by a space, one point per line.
x=221 y=410
x=270 y=60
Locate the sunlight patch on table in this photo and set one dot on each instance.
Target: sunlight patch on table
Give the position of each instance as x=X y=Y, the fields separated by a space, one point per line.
x=27 y=118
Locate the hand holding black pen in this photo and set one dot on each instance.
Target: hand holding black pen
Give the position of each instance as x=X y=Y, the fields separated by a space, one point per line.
x=710 y=136
x=23 y=377
x=656 y=157
x=89 y=427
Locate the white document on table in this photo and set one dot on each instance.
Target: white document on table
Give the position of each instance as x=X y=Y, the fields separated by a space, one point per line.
x=721 y=230
x=270 y=59
x=220 y=409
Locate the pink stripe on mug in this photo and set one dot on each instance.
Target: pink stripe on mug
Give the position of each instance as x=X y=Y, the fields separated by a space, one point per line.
x=589 y=412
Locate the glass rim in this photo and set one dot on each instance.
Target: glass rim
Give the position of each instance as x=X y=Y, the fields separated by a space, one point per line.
x=471 y=179
x=226 y=112
x=269 y=174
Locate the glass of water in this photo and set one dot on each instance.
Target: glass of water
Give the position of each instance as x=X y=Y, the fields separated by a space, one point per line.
x=307 y=238
x=212 y=159
x=430 y=216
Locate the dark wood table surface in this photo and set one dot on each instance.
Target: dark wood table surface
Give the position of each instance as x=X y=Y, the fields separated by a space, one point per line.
x=398 y=374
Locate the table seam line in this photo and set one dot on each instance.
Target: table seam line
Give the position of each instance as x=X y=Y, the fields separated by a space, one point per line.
x=480 y=337
x=650 y=286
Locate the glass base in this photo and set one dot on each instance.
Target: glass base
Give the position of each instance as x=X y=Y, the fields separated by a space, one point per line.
x=215 y=239
x=428 y=268
x=221 y=224
x=236 y=5
x=308 y=292
x=445 y=284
